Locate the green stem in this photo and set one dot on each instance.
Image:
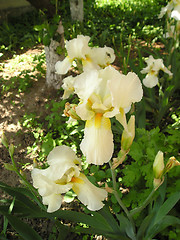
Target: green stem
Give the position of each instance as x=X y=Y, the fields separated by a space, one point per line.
x=118 y=198
x=145 y=203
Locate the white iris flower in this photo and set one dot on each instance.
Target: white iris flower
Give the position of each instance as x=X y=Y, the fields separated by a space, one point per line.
x=152 y=70
x=172 y=9
x=103 y=93
x=62 y=175
x=79 y=50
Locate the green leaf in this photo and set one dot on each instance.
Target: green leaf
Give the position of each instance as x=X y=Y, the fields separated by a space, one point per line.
x=160 y=226
x=20 y=194
x=167 y=206
x=46 y=40
x=63 y=230
x=48 y=145
x=69 y=197
x=110 y=219
x=22 y=228
x=126 y=226
x=144 y=225
x=95 y=220
x=160 y=199
x=39 y=27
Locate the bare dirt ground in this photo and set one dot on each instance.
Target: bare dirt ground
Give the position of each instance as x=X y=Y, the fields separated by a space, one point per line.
x=13 y=106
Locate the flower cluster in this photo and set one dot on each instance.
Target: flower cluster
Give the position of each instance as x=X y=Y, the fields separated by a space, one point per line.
x=172 y=9
x=103 y=93
x=173 y=20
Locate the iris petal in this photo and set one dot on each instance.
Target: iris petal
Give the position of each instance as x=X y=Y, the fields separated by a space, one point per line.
x=97 y=144
x=90 y=195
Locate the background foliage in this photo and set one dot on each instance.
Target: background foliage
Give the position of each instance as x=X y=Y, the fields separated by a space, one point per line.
x=122 y=25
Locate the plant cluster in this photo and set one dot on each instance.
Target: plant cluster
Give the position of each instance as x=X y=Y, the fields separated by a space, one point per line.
x=101 y=156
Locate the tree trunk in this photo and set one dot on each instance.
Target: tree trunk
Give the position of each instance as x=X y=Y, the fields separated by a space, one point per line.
x=77 y=10
x=52 y=79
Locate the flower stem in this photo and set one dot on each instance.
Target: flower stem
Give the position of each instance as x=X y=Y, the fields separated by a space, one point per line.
x=145 y=203
x=118 y=198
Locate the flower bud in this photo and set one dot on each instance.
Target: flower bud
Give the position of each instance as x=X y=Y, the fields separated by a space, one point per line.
x=9 y=166
x=70 y=111
x=158 y=165
x=128 y=134
x=4 y=140
x=172 y=162
x=11 y=150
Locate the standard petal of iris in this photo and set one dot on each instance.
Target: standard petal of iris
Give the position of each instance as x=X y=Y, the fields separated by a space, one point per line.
x=90 y=195
x=53 y=201
x=86 y=83
x=102 y=56
x=97 y=144
x=62 y=67
x=61 y=154
x=125 y=89
x=78 y=47
x=61 y=159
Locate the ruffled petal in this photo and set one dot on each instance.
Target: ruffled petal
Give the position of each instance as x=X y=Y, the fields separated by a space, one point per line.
x=97 y=144
x=53 y=201
x=62 y=67
x=90 y=195
x=42 y=180
x=61 y=154
x=102 y=56
x=78 y=47
x=68 y=86
x=125 y=90
x=87 y=83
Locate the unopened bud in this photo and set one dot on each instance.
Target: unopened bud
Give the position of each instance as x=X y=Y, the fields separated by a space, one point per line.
x=11 y=150
x=9 y=166
x=70 y=111
x=4 y=140
x=172 y=162
x=158 y=165
x=128 y=134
